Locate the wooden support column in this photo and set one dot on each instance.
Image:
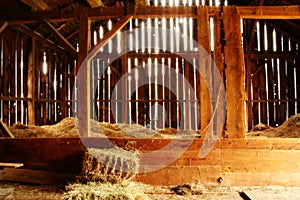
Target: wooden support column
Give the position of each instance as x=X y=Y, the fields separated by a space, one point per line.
x=84 y=96
x=31 y=84
x=235 y=74
x=219 y=64
x=205 y=67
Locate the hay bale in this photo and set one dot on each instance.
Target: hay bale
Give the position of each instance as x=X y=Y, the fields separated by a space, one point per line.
x=105 y=191
x=113 y=165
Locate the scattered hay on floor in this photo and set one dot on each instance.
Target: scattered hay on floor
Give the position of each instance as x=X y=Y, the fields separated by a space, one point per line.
x=289 y=129
x=113 y=165
x=105 y=191
x=65 y=128
x=69 y=127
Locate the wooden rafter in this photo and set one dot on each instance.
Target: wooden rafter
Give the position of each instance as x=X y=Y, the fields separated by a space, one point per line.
x=36 y=4
x=270 y=55
x=37 y=36
x=287 y=2
x=72 y=34
x=289 y=35
x=95 y=3
x=293 y=24
x=3 y=27
x=110 y=34
x=261 y=3
x=246 y=12
x=62 y=15
x=64 y=42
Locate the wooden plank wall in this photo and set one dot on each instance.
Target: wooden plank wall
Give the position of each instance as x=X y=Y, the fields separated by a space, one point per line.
x=272 y=83
x=28 y=95
x=236 y=162
x=273 y=74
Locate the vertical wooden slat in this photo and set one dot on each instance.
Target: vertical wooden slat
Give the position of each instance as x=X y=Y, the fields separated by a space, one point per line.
x=262 y=77
x=6 y=80
x=254 y=78
x=12 y=78
x=290 y=80
x=205 y=67
x=31 y=84
x=141 y=96
x=248 y=29
x=283 y=79
x=1 y=74
x=271 y=78
x=188 y=118
x=18 y=76
x=297 y=63
x=235 y=74
x=84 y=80
x=62 y=94
x=44 y=87
x=39 y=88
x=124 y=91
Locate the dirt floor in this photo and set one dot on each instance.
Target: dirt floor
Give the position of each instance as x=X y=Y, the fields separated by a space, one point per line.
x=18 y=191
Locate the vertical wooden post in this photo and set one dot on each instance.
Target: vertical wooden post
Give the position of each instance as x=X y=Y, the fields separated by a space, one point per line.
x=218 y=62
x=84 y=96
x=31 y=84
x=235 y=74
x=205 y=67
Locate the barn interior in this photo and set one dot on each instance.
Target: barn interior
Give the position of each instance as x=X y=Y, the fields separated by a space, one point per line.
x=202 y=92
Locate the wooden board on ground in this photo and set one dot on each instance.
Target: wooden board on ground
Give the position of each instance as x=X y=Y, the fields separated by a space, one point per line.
x=271 y=194
x=4 y=131
x=11 y=165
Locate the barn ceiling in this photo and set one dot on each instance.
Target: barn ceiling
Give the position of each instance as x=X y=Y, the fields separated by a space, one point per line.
x=57 y=20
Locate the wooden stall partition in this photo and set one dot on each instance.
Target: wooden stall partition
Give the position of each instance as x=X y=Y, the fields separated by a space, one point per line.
x=232 y=162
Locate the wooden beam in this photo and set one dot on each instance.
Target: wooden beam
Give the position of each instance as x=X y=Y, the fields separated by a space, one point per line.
x=95 y=3
x=270 y=55
x=145 y=56
x=3 y=27
x=36 y=4
x=292 y=23
x=235 y=74
x=62 y=40
x=167 y=12
x=250 y=12
x=37 y=36
x=269 y=12
x=110 y=34
x=62 y=15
